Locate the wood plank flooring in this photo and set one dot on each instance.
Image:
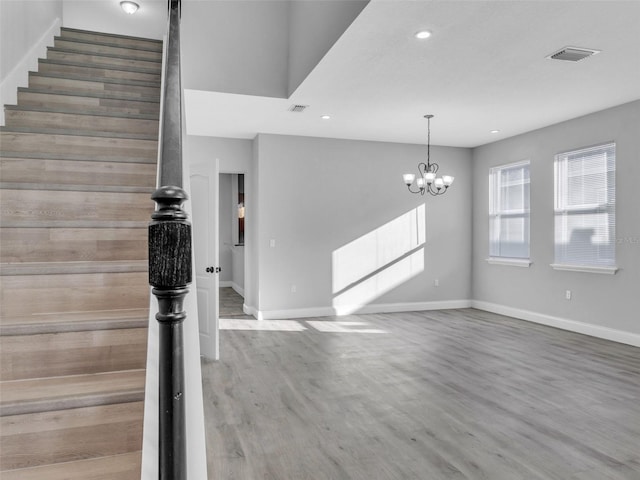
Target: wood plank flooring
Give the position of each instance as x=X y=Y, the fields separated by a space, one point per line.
x=457 y=394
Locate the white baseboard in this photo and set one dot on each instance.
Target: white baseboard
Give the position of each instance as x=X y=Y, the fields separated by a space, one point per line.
x=606 y=333
x=19 y=75
x=342 y=310
x=238 y=289
x=225 y=283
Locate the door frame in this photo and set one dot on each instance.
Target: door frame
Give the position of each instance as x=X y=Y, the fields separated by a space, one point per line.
x=248 y=217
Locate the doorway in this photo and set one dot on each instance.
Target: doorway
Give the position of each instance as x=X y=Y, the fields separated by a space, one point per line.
x=231 y=204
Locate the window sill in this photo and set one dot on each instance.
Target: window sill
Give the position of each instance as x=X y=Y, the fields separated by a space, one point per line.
x=582 y=268
x=512 y=262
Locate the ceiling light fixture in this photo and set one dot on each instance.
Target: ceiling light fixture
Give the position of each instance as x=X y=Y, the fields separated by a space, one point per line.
x=422 y=34
x=427 y=181
x=129 y=7
x=325 y=117
x=494 y=131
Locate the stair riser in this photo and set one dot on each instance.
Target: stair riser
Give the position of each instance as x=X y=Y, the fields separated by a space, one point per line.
x=97 y=37
x=118 y=467
x=74 y=244
x=103 y=61
x=56 y=437
x=120 y=51
x=134 y=92
x=83 y=104
x=75 y=172
x=46 y=294
x=104 y=148
x=47 y=205
x=82 y=123
x=72 y=353
x=97 y=72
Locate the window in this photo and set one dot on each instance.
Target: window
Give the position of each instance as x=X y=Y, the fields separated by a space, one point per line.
x=509 y=213
x=585 y=215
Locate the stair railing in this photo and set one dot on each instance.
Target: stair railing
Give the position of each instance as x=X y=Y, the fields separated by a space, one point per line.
x=170 y=264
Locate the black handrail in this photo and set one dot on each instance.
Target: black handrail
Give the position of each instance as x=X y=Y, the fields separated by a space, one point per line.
x=170 y=264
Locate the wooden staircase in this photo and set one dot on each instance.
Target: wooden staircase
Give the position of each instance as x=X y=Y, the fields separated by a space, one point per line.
x=78 y=165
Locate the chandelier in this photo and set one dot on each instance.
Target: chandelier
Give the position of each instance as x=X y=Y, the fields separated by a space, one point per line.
x=427 y=180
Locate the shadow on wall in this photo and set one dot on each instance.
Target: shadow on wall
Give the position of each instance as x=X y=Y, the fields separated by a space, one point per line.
x=378 y=261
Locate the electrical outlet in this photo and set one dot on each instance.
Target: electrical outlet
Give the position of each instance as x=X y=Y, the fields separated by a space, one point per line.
x=567 y=294
x=294 y=289
x=272 y=242
x=436 y=283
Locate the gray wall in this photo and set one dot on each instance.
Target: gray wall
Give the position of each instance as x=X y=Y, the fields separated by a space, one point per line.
x=313 y=29
x=318 y=195
x=246 y=44
x=602 y=300
x=22 y=24
x=150 y=21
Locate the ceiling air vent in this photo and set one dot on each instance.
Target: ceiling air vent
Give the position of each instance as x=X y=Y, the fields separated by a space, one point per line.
x=297 y=108
x=573 y=54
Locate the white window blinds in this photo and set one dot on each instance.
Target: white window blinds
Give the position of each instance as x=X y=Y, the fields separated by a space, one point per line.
x=509 y=210
x=585 y=200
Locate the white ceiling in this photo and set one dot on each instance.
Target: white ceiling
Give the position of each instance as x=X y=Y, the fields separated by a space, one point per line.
x=483 y=68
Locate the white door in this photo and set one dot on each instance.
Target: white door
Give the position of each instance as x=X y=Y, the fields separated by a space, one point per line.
x=204 y=204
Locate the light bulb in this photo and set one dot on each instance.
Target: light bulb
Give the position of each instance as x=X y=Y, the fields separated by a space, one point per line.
x=439 y=183
x=420 y=183
x=429 y=177
x=447 y=179
x=408 y=178
x=129 y=7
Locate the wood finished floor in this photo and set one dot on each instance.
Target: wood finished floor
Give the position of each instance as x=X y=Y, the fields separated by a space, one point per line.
x=458 y=394
x=230 y=303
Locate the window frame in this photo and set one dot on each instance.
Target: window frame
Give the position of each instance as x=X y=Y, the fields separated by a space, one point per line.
x=561 y=207
x=495 y=214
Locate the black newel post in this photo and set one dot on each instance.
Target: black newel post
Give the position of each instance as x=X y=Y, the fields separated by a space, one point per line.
x=169 y=274
x=170 y=265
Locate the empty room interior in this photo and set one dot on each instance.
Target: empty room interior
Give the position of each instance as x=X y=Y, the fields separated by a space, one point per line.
x=415 y=235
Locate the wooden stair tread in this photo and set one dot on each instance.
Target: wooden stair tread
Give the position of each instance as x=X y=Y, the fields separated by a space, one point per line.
x=26 y=223
x=73 y=321
x=88 y=94
x=83 y=112
x=152 y=62
x=100 y=46
x=128 y=39
x=156 y=48
x=72 y=268
x=87 y=78
x=75 y=187
x=74 y=157
x=115 y=467
x=79 y=133
x=19 y=397
x=94 y=58
x=88 y=67
x=35 y=439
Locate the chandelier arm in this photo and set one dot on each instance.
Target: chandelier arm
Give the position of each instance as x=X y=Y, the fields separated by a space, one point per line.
x=416 y=191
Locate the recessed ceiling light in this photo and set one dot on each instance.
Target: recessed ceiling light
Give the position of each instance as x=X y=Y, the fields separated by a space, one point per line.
x=422 y=34
x=325 y=117
x=495 y=131
x=129 y=7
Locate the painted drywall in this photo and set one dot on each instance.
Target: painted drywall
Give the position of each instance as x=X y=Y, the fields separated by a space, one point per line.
x=313 y=29
x=26 y=29
x=337 y=225
x=603 y=301
x=150 y=21
x=245 y=44
x=225 y=227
